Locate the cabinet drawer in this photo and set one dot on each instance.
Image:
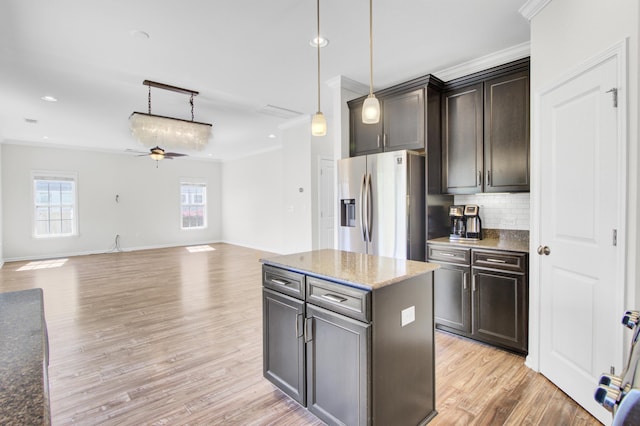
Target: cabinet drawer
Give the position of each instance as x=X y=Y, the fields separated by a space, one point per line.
x=349 y=301
x=449 y=254
x=500 y=260
x=283 y=281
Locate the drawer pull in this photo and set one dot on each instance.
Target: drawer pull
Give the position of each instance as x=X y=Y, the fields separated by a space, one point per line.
x=280 y=282
x=448 y=254
x=490 y=259
x=334 y=298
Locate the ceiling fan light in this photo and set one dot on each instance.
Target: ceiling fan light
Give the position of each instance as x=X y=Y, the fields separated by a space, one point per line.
x=318 y=124
x=156 y=130
x=371 y=110
x=156 y=156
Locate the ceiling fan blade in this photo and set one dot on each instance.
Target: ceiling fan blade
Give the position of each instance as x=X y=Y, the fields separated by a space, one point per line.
x=173 y=155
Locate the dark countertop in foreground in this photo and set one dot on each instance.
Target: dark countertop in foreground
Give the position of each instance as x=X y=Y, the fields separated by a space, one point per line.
x=353 y=269
x=24 y=388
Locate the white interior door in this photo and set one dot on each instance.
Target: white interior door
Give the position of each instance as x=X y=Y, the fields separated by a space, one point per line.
x=327 y=203
x=581 y=286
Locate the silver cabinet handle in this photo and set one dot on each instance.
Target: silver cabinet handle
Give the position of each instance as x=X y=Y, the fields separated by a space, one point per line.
x=447 y=254
x=384 y=140
x=490 y=259
x=280 y=282
x=544 y=250
x=488 y=177
x=473 y=283
x=479 y=177
x=299 y=319
x=464 y=280
x=308 y=329
x=378 y=140
x=334 y=298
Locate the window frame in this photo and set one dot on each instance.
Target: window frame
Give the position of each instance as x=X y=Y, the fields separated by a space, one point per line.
x=46 y=175
x=200 y=183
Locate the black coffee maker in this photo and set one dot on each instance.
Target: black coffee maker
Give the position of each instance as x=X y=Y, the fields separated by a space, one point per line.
x=458 y=223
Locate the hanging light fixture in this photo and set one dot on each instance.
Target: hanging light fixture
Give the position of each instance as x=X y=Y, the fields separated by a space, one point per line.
x=157 y=130
x=371 y=106
x=318 y=122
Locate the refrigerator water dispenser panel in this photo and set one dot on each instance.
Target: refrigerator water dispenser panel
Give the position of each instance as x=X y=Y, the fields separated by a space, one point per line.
x=348 y=212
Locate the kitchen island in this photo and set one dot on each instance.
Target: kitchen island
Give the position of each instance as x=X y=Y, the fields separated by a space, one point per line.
x=350 y=337
x=24 y=358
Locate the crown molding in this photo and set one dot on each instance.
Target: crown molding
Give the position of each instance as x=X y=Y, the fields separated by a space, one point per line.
x=342 y=82
x=513 y=53
x=532 y=7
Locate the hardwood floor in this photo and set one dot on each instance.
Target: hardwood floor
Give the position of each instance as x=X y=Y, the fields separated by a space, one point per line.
x=165 y=337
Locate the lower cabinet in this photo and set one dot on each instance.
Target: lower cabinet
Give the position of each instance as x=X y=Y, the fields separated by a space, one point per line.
x=351 y=356
x=482 y=294
x=499 y=311
x=283 y=351
x=337 y=368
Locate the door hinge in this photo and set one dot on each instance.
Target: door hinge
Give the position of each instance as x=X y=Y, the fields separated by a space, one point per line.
x=615 y=96
x=615 y=237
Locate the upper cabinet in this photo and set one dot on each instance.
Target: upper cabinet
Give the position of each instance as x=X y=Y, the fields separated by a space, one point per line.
x=485 y=131
x=409 y=116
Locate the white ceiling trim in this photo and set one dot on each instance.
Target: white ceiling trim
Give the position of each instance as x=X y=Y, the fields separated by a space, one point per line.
x=532 y=8
x=513 y=53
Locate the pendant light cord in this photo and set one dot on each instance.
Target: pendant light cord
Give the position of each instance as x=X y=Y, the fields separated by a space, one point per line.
x=318 y=44
x=370 y=47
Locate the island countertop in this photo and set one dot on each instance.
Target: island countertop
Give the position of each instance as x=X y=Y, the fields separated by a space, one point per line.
x=24 y=397
x=353 y=269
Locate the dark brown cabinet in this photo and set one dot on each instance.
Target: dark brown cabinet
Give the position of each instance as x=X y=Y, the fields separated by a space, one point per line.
x=482 y=294
x=351 y=356
x=410 y=118
x=485 y=122
x=463 y=142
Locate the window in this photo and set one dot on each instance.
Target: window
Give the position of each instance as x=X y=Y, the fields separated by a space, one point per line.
x=194 y=205
x=55 y=209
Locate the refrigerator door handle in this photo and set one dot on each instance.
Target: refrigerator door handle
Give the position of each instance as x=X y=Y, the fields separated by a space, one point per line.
x=369 y=208
x=363 y=208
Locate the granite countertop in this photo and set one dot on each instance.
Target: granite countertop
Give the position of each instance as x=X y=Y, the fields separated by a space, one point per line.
x=24 y=388
x=517 y=241
x=353 y=269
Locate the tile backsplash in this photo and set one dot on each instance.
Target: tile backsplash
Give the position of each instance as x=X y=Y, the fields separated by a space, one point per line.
x=500 y=211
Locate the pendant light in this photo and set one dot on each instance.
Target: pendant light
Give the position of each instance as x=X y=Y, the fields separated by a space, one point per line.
x=371 y=106
x=318 y=122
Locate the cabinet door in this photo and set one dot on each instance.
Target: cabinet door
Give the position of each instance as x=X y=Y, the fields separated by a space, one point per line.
x=452 y=298
x=403 y=121
x=462 y=140
x=283 y=343
x=338 y=367
x=364 y=138
x=506 y=133
x=500 y=309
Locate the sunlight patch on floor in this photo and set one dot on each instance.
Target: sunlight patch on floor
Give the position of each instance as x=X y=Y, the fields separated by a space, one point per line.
x=43 y=264
x=197 y=249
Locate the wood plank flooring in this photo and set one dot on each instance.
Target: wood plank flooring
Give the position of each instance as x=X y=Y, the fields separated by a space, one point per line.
x=169 y=337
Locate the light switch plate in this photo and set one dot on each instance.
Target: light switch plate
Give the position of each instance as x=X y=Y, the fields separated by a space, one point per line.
x=408 y=315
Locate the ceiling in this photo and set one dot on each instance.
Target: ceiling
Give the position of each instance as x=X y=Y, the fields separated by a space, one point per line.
x=241 y=56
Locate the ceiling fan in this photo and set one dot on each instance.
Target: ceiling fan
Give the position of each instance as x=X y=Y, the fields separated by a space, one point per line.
x=156 y=153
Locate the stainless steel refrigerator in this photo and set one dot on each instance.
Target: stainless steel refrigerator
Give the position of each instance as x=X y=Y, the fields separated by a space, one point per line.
x=382 y=204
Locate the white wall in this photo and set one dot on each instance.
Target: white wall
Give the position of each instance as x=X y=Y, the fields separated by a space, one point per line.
x=252 y=201
x=568 y=32
x=267 y=197
x=147 y=215
x=1 y=214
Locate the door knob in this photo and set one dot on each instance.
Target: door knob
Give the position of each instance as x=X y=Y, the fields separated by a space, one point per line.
x=544 y=250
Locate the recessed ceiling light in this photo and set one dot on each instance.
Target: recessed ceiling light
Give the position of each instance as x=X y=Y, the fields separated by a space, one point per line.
x=141 y=35
x=48 y=98
x=45 y=137
x=271 y=136
x=323 y=41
